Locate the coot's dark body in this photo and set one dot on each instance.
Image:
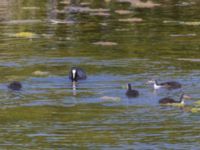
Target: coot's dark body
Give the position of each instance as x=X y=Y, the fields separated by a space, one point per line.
x=15 y=85
x=167 y=100
x=171 y=85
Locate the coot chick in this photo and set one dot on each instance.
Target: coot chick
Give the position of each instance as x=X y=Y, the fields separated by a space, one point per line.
x=15 y=85
x=168 y=100
x=170 y=85
x=130 y=92
x=76 y=74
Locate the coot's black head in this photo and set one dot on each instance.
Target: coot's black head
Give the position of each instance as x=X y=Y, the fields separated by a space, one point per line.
x=15 y=85
x=129 y=86
x=73 y=74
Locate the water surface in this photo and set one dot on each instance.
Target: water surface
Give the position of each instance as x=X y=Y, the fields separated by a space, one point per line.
x=116 y=43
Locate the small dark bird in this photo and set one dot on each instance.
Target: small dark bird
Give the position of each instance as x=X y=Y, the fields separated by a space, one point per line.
x=76 y=74
x=15 y=85
x=130 y=92
x=168 y=100
x=170 y=85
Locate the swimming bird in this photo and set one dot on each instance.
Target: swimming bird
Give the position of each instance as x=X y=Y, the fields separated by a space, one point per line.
x=130 y=92
x=76 y=74
x=15 y=85
x=168 y=85
x=168 y=100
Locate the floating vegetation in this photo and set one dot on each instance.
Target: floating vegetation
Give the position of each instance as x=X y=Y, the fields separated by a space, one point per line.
x=59 y=11
x=24 y=35
x=189 y=23
x=111 y=99
x=148 y=4
x=122 y=29
x=123 y=12
x=197 y=103
x=174 y=104
x=85 y=4
x=28 y=21
x=133 y=20
x=183 y=35
x=107 y=1
x=170 y=21
x=40 y=73
x=195 y=110
x=57 y=21
x=47 y=35
x=190 y=59
x=185 y=4
x=102 y=43
x=140 y=4
x=86 y=9
x=31 y=8
x=195 y=23
x=103 y=24
x=66 y=2
x=100 y=14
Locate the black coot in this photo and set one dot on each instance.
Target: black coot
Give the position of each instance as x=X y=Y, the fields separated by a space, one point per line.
x=168 y=100
x=15 y=85
x=76 y=74
x=130 y=92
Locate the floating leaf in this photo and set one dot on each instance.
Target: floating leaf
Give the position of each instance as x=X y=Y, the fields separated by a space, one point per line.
x=86 y=9
x=148 y=4
x=140 y=4
x=196 y=23
x=195 y=110
x=28 y=21
x=190 y=59
x=31 y=8
x=105 y=43
x=103 y=24
x=122 y=29
x=85 y=4
x=57 y=21
x=65 y=2
x=100 y=14
x=110 y=98
x=123 y=12
x=169 y=21
x=183 y=35
x=24 y=35
x=40 y=73
x=174 y=104
x=185 y=4
x=131 y=20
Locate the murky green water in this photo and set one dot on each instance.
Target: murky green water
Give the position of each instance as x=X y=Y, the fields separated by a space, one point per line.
x=114 y=47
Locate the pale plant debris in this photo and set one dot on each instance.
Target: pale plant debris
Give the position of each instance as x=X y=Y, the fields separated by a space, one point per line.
x=100 y=14
x=140 y=4
x=105 y=43
x=40 y=73
x=131 y=20
x=111 y=98
x=123 y=12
